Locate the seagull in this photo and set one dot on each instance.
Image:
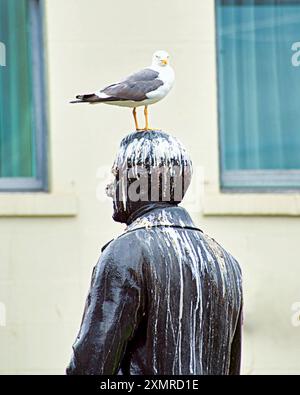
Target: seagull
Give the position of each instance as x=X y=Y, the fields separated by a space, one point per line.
x=143 y=88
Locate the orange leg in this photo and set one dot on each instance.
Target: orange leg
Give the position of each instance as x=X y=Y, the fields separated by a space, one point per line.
x=146 y=118
x=135 y=119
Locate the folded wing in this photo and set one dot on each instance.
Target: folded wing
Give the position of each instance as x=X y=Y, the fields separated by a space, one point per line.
x=133 y=88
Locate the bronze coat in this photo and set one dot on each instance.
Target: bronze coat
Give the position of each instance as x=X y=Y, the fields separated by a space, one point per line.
x=164 y=299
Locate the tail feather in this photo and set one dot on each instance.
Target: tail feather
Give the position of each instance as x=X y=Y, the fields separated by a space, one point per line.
x=78 y=101
x=86 y=97
x=89 y=98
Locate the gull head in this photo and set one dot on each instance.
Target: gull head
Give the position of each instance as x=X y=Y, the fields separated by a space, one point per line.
x=160 y=58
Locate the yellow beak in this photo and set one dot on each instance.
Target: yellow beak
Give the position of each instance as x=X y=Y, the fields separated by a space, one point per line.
x=164 y=61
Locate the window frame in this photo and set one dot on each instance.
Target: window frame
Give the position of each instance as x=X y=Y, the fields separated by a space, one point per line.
x=260 y=180
x=40 y=182
x=249 y=181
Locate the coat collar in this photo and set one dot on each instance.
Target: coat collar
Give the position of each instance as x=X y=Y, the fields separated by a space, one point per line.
x=162 y=216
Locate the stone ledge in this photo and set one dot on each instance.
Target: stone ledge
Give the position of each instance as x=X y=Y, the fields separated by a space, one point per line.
x=38 y=205
x=246 y=204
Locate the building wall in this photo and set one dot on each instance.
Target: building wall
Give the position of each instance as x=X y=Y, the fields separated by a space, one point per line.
x=50 y=242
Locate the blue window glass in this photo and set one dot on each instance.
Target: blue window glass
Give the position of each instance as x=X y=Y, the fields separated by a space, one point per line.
x=22 y=122
x=259 y=93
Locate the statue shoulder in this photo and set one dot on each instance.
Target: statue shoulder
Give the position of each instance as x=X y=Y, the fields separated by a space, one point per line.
x=106 y=245
x=223 y=256
x=124 y=245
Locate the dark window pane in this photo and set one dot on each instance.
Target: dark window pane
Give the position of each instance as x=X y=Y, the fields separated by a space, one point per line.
x=259 y=86
x=17 y=128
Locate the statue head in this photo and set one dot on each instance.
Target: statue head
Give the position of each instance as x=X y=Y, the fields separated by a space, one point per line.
x=151 y=167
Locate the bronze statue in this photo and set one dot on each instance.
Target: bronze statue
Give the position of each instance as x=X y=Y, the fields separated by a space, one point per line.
x=165 y=299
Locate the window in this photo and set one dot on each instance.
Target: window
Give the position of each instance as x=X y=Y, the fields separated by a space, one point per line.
x=259 y=93
x=22 y=115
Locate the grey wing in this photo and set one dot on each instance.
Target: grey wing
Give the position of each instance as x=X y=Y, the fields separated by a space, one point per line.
x=135 y=87
x=143 y=75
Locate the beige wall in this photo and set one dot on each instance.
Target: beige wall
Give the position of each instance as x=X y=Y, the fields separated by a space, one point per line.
x=50 y=243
